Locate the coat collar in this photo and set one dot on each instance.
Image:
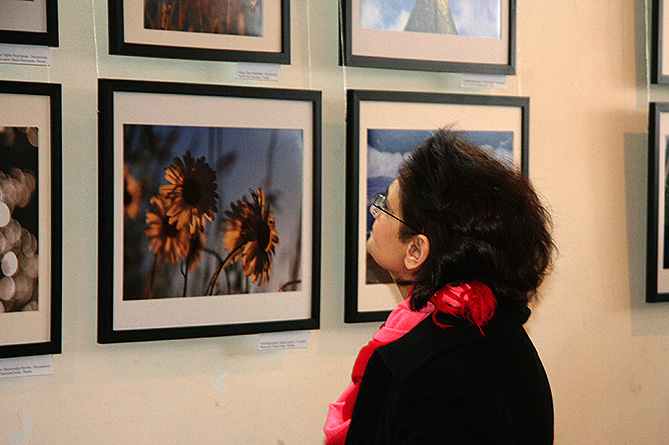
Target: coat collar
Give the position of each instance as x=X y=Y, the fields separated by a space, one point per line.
x=428 y=339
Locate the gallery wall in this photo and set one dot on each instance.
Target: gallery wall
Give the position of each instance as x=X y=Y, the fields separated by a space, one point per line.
x=584 y=66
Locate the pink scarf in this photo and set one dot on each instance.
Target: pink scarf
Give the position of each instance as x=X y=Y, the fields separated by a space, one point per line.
x=473 y=301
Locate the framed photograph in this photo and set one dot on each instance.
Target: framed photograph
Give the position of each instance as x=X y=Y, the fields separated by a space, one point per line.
x=222 y=30
x=30 y=219
x=382 y=128
x=657 y=250
x=659 y=69
x=209 y=210
x=469 y=36
x=29 y=22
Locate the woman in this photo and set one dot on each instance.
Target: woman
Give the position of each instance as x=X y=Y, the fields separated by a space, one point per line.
x=467 y=242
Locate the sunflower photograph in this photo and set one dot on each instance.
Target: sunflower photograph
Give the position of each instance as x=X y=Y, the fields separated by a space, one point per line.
x=210 y=211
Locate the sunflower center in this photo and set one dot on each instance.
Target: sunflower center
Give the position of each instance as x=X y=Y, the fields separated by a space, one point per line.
x=191 y=190
x=127 y=196
x=263 y=232
x=170 y=230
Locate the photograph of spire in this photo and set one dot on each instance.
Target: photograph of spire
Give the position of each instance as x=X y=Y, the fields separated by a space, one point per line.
x=470 y=18
x=460 y=36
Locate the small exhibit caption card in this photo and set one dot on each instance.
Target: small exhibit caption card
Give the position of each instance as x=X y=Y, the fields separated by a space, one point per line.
x=26 y=366
x=283 y=340
x=258 y=71
x=483 y=81
x=24 y=54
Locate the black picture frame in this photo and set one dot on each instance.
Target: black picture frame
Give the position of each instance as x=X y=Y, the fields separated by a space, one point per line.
x=38 y=33
x=657 y=252
x=129 y=36
x=236 y=120
x=31 y=159
x=382 y=126
x=430 y=50
x=659 y=69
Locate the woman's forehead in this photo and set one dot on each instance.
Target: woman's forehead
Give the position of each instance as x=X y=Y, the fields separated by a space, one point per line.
x=393 y=195
x=392 y=187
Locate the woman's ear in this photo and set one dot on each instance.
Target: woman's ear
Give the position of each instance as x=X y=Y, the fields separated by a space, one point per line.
x=416 y=252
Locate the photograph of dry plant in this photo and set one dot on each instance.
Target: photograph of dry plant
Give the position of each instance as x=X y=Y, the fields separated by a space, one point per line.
x=18 y=219
x=211 y=211
x=233 y=17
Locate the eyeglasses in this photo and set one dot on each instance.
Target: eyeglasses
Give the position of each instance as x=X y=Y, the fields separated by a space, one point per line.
x=381 y=204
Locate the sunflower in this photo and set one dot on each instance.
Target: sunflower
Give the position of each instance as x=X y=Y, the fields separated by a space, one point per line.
x=132 y=193
x=250 y=226
x=192 y=192
x=167 y=242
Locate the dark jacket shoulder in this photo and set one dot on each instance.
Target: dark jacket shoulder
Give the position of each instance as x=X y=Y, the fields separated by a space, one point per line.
x=456 y=385
x=428 y=340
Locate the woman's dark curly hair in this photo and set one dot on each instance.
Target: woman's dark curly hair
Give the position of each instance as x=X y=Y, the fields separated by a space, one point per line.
x=483 y=219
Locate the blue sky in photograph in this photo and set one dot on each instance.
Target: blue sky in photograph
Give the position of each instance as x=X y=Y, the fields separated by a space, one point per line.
x=473 y=18
x=385 y=151
x=254 y=164
x=497 y=143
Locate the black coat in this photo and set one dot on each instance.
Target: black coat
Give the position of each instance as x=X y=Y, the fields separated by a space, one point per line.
x=456 y=386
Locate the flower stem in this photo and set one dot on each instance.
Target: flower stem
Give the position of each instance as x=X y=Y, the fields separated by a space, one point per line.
x=214 y=253
x=214 y=278
x=288 y=284
x=185 y=275
x=152 y=279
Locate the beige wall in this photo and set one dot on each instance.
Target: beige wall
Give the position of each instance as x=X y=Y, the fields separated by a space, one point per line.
x=582 y=63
